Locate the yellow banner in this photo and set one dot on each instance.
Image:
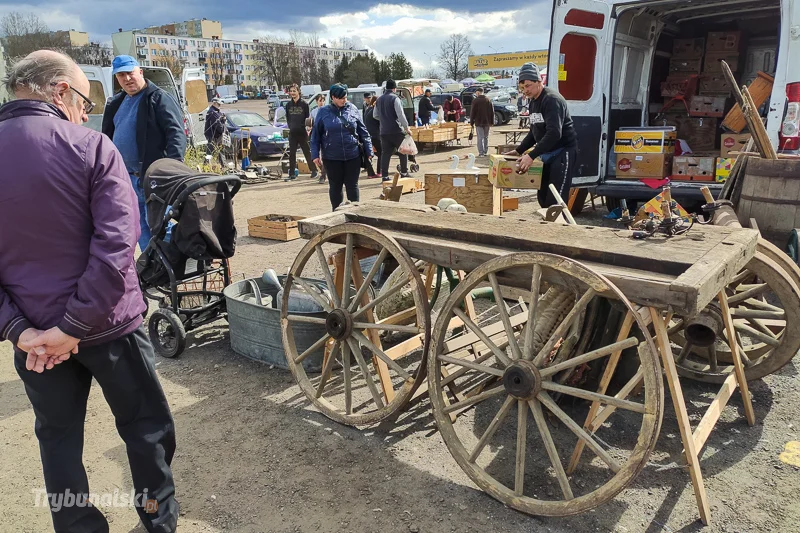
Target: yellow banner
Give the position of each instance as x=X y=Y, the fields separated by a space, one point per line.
x=510 y=60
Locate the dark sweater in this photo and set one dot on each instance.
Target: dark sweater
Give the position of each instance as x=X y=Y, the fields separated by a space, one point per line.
x=482 y=111
x=296 y=115
x=551 y=125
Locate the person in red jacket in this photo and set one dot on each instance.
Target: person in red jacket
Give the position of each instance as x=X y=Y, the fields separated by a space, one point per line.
x=453 y=110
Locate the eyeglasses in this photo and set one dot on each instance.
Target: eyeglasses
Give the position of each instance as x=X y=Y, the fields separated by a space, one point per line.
x=88 y=105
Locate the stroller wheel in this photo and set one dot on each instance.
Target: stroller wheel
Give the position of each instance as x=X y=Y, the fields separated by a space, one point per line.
x=167 y=333
x=414 y=167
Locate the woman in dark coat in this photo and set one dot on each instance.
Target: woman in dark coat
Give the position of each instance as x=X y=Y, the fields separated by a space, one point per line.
x=373 y=127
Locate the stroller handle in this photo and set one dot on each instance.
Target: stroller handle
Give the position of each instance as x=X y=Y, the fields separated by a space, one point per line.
x=234 y=182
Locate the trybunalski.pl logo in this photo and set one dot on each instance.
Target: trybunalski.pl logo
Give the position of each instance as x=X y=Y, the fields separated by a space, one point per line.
x=60 y=500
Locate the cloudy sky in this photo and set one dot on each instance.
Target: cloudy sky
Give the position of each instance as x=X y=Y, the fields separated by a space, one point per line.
x=414 y=27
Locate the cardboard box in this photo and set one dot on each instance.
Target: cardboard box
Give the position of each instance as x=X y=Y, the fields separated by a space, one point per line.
x=503 y=173
x=724 y=167
x=694 y=167
x=732 y=142
x=673 y=86
x=688 y=66
x=645 y=141
x=280 y=230
x=723 y=41
x=637 y=166
x=688 y=48
x=712 y=62
x=707 y=106
x=714 y=84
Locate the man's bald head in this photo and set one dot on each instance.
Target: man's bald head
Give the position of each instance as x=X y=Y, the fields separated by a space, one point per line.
x=36 y=75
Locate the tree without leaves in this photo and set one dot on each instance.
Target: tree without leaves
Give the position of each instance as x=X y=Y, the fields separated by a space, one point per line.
x=23 y=33
x=454 y=54
x=277 y=60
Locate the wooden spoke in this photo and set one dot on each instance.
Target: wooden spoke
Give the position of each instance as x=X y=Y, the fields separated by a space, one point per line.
x=760 y=326
x=463 y=370
x=500 y=354
x=536 y=281
x=739 y=312
x=387 y=327
x=548 y=402
x=373 y=389
x=471 y=365
x=740 y=277
x=754 y=290
x=492 y=429
x=348 y=271
x=381 y=354
x=594 y=396
x=383 y=296
x=348 y=393
x=328 y=276
x=589 y=356
x=687 y=348
x=550 y=446
x=712 y=358
x=752 y=302
x=368 y=280
x=522 y=433
x=306 y=319
x=311 y=291
x=503 y=311
x=313 y=348
x=326 y=371
x=763 y=337
x=472 y=400
x=562 y=328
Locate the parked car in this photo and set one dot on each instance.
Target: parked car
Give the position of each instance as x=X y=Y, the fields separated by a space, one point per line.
x=263 y=138
x=229 y=99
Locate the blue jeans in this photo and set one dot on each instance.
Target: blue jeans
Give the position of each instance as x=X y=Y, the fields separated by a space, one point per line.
x=145 y=236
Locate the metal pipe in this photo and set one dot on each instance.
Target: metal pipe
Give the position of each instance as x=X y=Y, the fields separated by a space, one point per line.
x=703 y=329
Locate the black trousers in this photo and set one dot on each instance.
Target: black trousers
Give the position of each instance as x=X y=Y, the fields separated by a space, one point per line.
x=299 y=139
x=558 y=171
x=343 y=174
x=376 y=142
x=125 y=370
x=389 y=145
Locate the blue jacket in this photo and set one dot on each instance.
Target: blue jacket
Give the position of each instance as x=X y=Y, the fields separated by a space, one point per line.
x=159 y=125
x=332 y=139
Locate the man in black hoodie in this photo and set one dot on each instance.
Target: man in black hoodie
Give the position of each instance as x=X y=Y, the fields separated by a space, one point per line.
x=426 y=108
x=296 y=115
x=552 y=137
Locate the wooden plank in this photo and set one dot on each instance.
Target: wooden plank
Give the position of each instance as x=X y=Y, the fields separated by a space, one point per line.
x=712 y=414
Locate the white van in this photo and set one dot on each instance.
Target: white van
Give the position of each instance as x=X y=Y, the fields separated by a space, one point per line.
x=612 y=55
x=191 y=95
x=309 y=90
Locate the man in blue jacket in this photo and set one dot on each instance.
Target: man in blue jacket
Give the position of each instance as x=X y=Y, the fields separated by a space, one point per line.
x=146 y=124
x=69 y=295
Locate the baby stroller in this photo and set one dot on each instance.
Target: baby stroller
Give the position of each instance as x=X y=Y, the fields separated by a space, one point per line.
x=185 y=265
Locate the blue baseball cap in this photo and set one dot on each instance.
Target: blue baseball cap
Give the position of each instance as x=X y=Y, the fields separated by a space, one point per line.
x=123 y=64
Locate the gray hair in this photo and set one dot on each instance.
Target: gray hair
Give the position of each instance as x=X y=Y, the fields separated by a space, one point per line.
x=38 y=72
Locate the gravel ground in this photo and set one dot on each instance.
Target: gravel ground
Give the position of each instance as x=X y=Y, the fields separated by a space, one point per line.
x=254 y=457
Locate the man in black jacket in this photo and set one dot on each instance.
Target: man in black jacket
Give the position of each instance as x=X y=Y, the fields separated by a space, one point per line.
x=552 y=137
x=215 y=126
x=146 y=124
x=426 y=108
x=296 y=115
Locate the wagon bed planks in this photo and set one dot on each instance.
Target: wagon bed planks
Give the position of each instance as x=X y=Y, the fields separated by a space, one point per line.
x=683 y=273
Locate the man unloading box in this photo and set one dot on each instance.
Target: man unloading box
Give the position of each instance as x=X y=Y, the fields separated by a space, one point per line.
x=552 y=137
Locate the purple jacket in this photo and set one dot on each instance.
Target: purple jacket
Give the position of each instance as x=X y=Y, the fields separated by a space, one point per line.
x=69 y=223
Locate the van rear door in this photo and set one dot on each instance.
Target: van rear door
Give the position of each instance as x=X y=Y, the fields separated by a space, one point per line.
x=100 y=90
x=579 y=66
x=195 y=98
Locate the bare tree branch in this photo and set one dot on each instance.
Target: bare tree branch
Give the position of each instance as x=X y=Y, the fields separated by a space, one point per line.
x=454 y=54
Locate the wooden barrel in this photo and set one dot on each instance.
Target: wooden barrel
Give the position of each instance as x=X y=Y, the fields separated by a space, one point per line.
x=771 y=195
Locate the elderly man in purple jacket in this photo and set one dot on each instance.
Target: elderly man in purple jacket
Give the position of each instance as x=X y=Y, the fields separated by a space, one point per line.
x=69 y=296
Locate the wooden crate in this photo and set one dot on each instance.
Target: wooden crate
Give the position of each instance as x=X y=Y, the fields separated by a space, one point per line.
x=760 y=89
x=462 y=132
x=263 y=228
x=434 y=135
x=473 y=190
x=510 y=203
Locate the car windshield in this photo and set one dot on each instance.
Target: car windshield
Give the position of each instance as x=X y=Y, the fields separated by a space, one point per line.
x=247 y=120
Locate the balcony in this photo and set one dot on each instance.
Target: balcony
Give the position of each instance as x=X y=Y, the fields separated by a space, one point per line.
x=181 y=47
x=141 y=52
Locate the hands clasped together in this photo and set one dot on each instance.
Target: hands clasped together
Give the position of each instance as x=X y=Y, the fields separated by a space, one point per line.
x=46 y=349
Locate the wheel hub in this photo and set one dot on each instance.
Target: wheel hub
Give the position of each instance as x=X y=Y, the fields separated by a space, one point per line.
x=339 y=324
x=522 y=380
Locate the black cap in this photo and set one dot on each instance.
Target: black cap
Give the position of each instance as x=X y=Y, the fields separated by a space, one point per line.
x=391 y=84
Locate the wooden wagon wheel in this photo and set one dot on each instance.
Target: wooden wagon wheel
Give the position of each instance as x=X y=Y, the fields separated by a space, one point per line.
x=511 y=377
x=763 y=299
x=360 y=384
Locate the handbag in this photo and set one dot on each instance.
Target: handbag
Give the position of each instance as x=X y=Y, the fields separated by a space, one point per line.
x=471 y=131
x=365 y=163
x=226 y=138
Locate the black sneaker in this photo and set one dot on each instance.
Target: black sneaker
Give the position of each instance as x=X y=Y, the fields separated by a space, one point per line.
x=314 y=175
x=405 y=175
x=322 y=179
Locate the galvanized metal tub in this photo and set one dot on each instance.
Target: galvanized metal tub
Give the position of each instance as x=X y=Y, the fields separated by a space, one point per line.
x=256 y=329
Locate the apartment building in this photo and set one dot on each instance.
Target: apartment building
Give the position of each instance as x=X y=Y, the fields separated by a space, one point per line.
x=199 y=43
x=70 y=38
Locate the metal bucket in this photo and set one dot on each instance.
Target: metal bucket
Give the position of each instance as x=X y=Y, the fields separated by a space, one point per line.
x=256 y=328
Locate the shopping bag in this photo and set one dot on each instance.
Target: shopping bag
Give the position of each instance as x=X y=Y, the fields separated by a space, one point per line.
x=226 y=139
x=440 y=115
x=408 y=146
